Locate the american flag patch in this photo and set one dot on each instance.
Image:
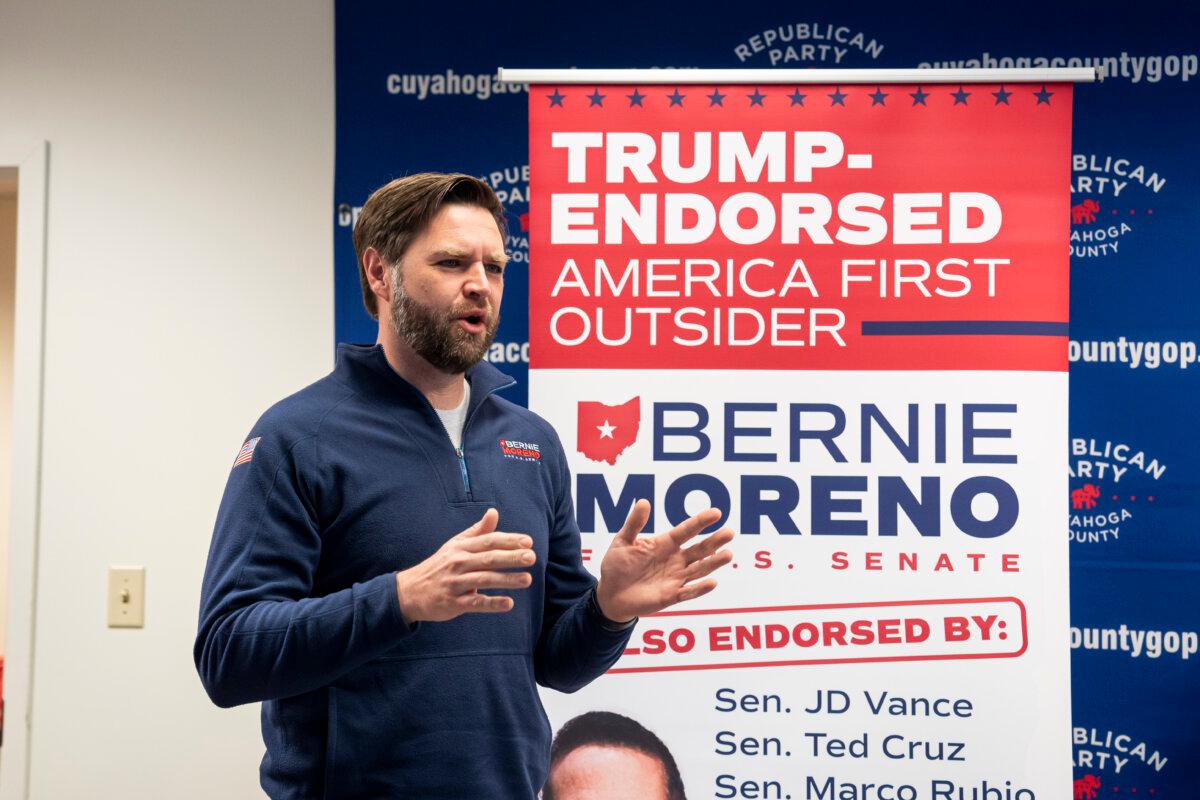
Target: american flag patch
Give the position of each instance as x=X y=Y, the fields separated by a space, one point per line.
x=247 y=451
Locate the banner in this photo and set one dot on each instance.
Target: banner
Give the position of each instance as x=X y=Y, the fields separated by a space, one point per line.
x=839 y=315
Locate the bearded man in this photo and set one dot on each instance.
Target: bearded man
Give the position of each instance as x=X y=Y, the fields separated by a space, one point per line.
x=358 y=582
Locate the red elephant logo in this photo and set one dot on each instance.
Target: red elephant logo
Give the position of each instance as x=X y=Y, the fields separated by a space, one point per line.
x=1084 y=212
x=1085 y=787
x=1085 y=496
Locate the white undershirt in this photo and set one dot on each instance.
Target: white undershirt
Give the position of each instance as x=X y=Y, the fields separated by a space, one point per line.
x=454 y=418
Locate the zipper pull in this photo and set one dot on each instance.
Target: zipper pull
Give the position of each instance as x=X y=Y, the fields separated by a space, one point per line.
x=462 y=466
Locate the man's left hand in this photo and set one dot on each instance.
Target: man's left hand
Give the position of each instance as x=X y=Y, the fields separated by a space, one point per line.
x=642 y=575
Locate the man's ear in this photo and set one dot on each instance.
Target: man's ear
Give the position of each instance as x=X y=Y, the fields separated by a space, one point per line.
x=379 y=277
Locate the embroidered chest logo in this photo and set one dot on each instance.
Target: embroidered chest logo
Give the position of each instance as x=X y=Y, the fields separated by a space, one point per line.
x=520 y=451
x=247 y=451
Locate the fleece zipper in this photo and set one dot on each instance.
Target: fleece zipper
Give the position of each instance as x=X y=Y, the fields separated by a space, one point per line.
x=462 y=466
x=458 y=451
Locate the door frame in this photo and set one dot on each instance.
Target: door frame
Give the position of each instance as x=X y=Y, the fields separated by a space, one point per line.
x=29 y=321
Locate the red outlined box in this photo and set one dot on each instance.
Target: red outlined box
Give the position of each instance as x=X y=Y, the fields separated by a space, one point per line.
x=828 y=633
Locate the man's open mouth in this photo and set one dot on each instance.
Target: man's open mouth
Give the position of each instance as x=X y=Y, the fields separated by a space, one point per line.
x=473 y=322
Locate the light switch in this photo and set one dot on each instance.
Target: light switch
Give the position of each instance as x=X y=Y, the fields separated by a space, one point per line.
x=126 y=597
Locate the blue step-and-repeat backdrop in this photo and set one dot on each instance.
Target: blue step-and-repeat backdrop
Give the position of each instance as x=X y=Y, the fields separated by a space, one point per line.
x=416 y=90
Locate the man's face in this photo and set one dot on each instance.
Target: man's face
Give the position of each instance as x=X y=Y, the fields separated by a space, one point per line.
x=600 y=772
x=446 y=300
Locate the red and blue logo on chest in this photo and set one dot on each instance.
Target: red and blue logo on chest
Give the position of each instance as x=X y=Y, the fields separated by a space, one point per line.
x=520 y=451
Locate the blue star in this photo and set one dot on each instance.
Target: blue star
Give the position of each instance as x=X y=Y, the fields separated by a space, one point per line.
x=716 y=98
x=877 y=97
x=797 y=98
x=635 y=99
x=756 y=99
x=596 y=99
x=556 y=99
x=1043 y=96
x=676 y=98
x=838 y=98
x=1002 y=96
x=918 y=97
x=960 y=97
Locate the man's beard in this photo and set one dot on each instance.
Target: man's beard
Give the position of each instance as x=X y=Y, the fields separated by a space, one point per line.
x=437 y=337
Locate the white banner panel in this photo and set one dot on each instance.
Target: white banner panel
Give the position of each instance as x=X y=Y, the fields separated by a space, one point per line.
x=844 y=326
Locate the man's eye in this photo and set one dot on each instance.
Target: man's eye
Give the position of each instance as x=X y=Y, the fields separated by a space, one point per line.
x=448 y=262
x=496 y=268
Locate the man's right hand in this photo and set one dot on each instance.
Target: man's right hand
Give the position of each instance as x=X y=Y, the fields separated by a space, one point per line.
x=448 y=583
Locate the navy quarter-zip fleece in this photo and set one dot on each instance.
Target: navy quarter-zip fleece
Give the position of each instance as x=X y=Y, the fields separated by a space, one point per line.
x=353 y=479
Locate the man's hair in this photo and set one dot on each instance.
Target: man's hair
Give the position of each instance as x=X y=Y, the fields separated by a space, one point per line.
x=398 y=212
x=606 y=729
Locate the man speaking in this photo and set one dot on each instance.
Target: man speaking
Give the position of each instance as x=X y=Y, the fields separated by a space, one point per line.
x=396 y=561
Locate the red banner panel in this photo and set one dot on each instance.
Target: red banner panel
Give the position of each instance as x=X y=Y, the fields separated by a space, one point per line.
x=815 y=227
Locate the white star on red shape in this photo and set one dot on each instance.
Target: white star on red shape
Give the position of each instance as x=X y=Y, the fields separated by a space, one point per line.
x=606 y=430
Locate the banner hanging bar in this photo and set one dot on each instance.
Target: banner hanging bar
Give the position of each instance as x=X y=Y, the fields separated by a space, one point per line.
x=797 y=76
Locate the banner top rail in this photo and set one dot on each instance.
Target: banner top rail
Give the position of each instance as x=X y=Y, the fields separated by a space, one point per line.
x=797 y=76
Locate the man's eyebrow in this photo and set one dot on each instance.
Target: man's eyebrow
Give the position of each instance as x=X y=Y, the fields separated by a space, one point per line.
x=499 y=256
x=449 y=252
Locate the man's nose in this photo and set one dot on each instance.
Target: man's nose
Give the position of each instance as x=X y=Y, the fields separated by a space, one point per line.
x=477 y=283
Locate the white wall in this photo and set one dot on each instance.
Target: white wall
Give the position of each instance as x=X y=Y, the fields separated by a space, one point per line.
x=188 y=286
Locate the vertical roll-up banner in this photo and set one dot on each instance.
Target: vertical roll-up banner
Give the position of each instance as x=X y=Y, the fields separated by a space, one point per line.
x=839 y=315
